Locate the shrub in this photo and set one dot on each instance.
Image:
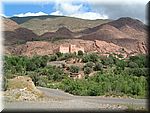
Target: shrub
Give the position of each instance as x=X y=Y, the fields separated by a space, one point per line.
x=74 y=69
x=94 y=89
x=68 y=55
x=98 y=66
x=41 y=83
x=80 y=53
x=53 y=57
x=55 y=73
x=87 y=70
x=141 y=60
x=121 y=64
x=107 y=60
x=31 y=66
x=85 y=58
x=137 y=71
x=59 y=54
x=43 y=80
x=92 y=57
x=89 y=64
x=43 y=61
x=133 y=65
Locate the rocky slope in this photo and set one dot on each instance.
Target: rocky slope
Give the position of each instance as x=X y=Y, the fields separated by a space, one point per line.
x=125 y=32
x=14 y=33
x=22 y=88
x=9 y=25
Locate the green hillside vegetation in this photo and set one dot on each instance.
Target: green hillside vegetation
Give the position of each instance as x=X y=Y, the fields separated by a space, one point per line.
x=112 y=76
x=21 y=20
x=50 y=23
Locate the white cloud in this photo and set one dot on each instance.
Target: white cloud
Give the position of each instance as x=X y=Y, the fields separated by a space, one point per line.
x=56 y=13
x=90 y=1
x=118 y=1
x=70 y=8
x=3 y=15
x=76 y=10
x=89 y=15
x=30 y=14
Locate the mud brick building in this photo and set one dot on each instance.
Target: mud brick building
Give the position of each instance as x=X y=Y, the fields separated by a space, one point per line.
x=68 y=49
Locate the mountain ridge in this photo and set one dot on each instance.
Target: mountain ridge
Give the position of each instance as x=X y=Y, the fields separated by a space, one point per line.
x=119 y=32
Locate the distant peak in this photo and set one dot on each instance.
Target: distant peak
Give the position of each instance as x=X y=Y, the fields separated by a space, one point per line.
x=128 y=21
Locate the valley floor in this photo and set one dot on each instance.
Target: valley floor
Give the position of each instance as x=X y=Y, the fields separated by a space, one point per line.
x=58 y=100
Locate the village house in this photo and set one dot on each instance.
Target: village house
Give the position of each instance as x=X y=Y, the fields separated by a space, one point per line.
x=68 y=49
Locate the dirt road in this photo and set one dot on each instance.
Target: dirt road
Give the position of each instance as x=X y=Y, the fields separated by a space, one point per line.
x=59 y=100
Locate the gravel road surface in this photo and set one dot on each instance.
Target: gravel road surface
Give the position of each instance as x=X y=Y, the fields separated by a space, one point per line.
x=59 y=100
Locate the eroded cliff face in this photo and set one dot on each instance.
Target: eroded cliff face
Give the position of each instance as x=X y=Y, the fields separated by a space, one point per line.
x=47 y=48
x=33 y=48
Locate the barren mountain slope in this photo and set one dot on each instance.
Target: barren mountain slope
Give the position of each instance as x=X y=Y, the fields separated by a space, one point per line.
x=106 y=32
x=13 y=33
x=9 y=25
x=133 y=23
x=125 y=32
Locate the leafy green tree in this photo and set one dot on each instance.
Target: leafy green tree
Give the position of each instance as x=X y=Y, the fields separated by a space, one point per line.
x=92 y=57
x=30 y=66
x=137 y=71
x=80 y=53
x=121 y=64
x=94 y=89
x=98 y=66
x=87 y=70
x=43 y=80
x=67 y=56
x=43 y=61
x=54 y=73
x=108 y=61
x=53 y=57
x=141 y=60
x=59 y=54
x=133 y=65
x=74 y=69
x=89 y=64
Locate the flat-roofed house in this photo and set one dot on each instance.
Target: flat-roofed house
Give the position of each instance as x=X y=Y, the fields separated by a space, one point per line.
x=62 y=49
x=68 y=49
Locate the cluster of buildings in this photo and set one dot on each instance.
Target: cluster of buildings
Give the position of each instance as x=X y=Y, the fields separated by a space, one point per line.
x=68 y=49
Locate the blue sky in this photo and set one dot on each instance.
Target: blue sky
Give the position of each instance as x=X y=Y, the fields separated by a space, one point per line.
x=11 y=9
x=85 y=9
